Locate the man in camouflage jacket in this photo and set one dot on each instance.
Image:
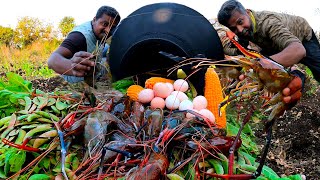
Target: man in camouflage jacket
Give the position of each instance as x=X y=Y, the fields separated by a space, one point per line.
x=287 y=39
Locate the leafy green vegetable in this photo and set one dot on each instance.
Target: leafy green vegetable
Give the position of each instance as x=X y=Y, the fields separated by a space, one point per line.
x=123 y=84
x=13 y=90
x=14 y=159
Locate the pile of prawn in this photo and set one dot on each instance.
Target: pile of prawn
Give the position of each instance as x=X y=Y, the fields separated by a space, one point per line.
x=127 y=139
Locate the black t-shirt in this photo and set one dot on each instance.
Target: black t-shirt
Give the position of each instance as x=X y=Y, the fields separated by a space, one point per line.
x=75 y=42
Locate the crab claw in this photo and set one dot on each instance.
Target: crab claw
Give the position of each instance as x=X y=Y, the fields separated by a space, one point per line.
x=230 y=34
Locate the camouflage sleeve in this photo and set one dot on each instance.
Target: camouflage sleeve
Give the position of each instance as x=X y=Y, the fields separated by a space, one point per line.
x=226 y=43
x=273 y=28
x=227 y=49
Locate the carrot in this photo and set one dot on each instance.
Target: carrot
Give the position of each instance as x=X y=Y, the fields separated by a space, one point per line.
x=153 y=80
x=133 y=92
x=214 y=96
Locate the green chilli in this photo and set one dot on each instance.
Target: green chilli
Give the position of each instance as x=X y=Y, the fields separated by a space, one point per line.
x=31 y=126
x=4 y=120
x=55 y=109
x=20 y=137
x=216 y=164
x=40 y=128
x=246 y=168
x=241 y=160
x=247 y=157
x=224 y=161
x=6 y=132
x=32 y=117
x=44 y=137
x=173 y=176
x=268 y=172
x=47 y=115
x=28 y=103
x=42 y=119
x=22 y=117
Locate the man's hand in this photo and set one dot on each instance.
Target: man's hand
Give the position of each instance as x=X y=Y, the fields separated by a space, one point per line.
x=292 y=93
x=81 y=63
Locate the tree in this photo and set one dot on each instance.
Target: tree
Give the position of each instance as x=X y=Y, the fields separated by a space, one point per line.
x=29 y=30
x=6 y=35
x=66 y=25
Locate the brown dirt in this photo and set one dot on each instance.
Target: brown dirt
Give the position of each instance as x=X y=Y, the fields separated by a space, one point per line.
x=49 y=85
x=295 y=144
x=295 y=147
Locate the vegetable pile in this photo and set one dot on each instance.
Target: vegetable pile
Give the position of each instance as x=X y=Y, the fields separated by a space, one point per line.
x=69 y=135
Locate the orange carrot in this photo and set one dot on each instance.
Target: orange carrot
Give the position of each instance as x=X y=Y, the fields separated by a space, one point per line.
x=153 y=80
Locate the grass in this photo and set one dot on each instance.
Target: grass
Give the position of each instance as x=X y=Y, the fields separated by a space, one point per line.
x=30 y=62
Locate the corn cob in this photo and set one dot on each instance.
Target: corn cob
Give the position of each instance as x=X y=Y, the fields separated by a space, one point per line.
x=133 y=92
x=153 y=80
x=214 y=96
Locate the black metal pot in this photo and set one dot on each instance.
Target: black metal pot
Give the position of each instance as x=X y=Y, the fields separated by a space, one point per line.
x=168 y=27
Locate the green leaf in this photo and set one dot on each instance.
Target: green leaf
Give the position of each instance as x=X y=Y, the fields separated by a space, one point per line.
x=268 y=172
x=15 y=97
x=2 y=175
x=123 y=83
x=17 y=160
x=292 y=177
x=247 y=142
x=46 y=163
x=40 y=101
x=39 y=177
x=61 y=105
x=21 y=84
x=190 y=172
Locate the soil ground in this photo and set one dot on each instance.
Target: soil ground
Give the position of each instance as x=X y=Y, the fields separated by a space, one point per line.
x=296 y=138
x=295 y=144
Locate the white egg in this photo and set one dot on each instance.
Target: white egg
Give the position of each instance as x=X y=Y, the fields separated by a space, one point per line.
x=208 y=114
x=172 y=102
x=145 y=96
x=180 y=95
x=186 y=104
x=181 y=85
x=200 y=102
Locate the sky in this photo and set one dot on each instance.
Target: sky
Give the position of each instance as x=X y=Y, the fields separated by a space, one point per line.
x=52 y=12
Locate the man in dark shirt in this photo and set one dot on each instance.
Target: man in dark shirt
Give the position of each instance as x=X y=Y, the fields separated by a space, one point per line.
x=71 y=59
